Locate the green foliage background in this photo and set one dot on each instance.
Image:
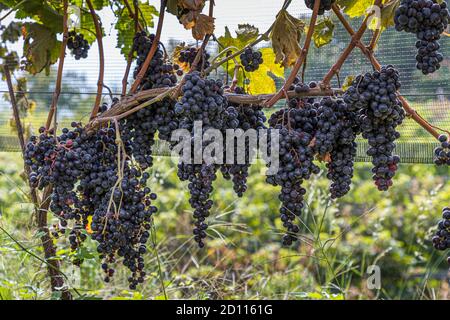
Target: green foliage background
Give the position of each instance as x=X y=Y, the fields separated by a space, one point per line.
x=243 y=257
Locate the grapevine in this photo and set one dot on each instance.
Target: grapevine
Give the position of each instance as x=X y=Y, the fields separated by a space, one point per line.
x=95 y=177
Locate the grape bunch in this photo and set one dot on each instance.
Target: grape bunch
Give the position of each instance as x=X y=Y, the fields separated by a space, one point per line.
x=342 y=159
x=251 y=60
x=379 y=112
x=335 y=137
x=160 y=73
x=244 y=118
x=442 y=153
x=297 y=127
x=94 y=179
x=300 y=87
x=427 y=19
x=202 y=102
x=77 y=45
x=330 y=112
x=441 y=239
x=325 y=5
x=188 y=55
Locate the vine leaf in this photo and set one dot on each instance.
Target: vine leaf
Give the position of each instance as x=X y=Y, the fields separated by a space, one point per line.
x=172 y=7
x=191 y=17
x=244 y=35
x=323 y=32
x=263 y=79
x=204 y=25
x=387 y=16
x=355 y=8
x=125 y=25
x=39 y=11
x=348 y=82
x=40 y=48
x=12 y=32
x=285 y=36
x=195 y=5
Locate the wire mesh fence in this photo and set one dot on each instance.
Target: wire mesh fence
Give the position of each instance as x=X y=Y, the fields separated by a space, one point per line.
x=428 y=95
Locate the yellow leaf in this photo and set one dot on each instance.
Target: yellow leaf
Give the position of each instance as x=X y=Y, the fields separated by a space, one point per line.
x=387 y=16
x=355 y=8
x=88 y=225
x=261 y=80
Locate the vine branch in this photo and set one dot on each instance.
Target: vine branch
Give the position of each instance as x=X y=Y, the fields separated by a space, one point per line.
x=130 y=54
x=356 y=38
x=131 y=104
x=99 y=36
x=350 y=30
x=52 y=112
x=153 y=49
x=134 y=14
x=301 y=59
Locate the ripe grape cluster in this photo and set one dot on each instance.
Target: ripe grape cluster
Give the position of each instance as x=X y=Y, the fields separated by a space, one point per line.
x=202 y=102
x=251 y=60
x=188 y=55
x=427 y=19
x=441 y=239
x=160 y=73
x=336 y=135
x=246 y=120
x=77 y=45
x=297 y=128
x=325 y=5
x=94 y=179
x=442 y=153
x=373 y=97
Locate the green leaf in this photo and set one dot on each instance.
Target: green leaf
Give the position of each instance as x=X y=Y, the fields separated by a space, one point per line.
x=323 y=32
x=125 y=25
x=99 y=4
x=12 y=32
x=38 y=10
x=6 y=294
x=245 y=34
x=40 y=48
x=82 y=253
x=87 y=27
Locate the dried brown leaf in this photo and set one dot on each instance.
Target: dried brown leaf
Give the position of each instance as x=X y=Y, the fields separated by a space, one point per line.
x=195 y=5
x=285 y=36
x=188 y=19
x=203 y=25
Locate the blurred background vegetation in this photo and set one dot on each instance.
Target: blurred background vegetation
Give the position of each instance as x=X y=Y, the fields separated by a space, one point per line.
x=243 y=257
